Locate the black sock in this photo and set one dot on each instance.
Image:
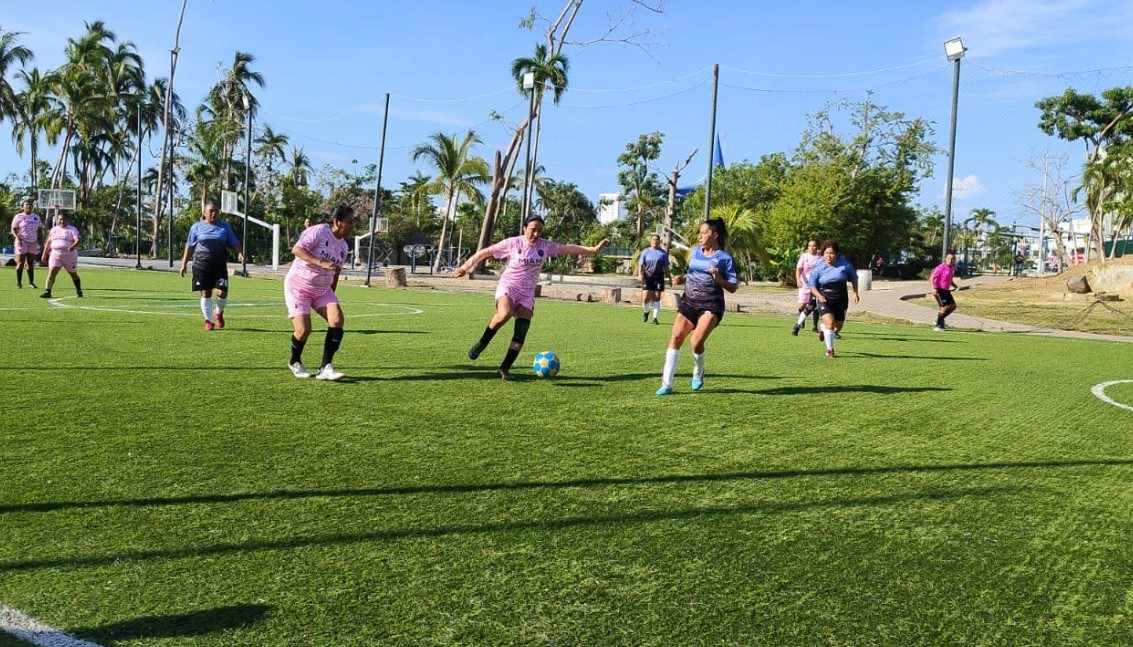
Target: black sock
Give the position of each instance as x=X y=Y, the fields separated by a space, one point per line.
x=19 y=276
x=486 y=338
x=78 y=284
x=331 y=344
x=939 y=320
x=509 y=359
x=31 y=276
x=297 y=349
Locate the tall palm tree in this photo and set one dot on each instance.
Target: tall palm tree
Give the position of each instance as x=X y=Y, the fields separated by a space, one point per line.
x=550 y=70
x=457 y=172
x=981 y=221
x=81 y=89
x=300 y=166
x=36 y=108
x=271 y=146
x=226 y=99
x=11 y=52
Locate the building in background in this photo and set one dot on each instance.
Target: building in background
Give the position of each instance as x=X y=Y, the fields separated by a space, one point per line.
x=611 y=208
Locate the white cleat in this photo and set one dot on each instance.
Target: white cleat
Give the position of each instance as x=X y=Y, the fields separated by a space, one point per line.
x=328 y=373
x=298 y=370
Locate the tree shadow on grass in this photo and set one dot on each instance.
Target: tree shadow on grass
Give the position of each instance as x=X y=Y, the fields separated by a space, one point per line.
x=347 y=332
x=931 y=357
x=196 y=623
x=541 y=525
x=849 y=388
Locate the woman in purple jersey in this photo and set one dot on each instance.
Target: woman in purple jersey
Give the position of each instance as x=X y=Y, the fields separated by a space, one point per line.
x=515 y=293
x=828 y=282
x=711 y=270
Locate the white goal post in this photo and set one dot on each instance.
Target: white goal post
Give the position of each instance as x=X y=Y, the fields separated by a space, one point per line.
x=230 y=204
x=381 y=226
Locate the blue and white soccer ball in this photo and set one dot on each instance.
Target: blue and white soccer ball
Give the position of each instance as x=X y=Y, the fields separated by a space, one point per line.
x=546 y=364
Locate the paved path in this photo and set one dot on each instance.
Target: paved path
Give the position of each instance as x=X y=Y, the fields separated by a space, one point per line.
x=886 y=298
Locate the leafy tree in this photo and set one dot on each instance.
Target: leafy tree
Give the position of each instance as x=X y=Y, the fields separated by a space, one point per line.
x=642 y=185
x=1102 y=125
x=11 y=52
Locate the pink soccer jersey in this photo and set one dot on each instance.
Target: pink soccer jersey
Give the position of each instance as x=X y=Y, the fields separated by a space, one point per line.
x=942 y=276
x=806 y=264
x=323 y=244
x=525 y=260
x=26 y=225
x=61 y=239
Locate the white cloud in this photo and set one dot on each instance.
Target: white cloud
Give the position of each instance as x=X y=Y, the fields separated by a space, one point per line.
x=997 y=27
x=966 y=187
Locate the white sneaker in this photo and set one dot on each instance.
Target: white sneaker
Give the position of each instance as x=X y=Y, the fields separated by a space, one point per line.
x=938 y=328
x=328 y=373
x=298 y=370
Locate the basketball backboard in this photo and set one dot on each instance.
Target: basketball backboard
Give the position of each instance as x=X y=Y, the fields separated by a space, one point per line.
x=56 y=199
x=230 y=203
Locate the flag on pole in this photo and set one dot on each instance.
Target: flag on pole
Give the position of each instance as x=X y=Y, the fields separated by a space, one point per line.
x=718 y=153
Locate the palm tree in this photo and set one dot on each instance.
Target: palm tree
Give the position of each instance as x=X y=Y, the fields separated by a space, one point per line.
x=83 y=95
x=226 y=99
x=981 y=222
x=549 y=70
x=11 y=52
x=36 y=112
x=458 y=172
x=743 y=244
x=300 y=166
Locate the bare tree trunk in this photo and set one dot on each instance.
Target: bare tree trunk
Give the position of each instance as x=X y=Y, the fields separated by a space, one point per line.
x=449 y=199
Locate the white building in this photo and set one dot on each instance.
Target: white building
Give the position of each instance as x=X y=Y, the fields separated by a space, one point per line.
x=611 y=207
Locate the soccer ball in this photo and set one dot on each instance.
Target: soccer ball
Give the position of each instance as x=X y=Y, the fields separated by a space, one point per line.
x=546 y=364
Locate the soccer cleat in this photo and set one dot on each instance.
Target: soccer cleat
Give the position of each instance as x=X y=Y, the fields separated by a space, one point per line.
x=656 y=323
x=697 y=384
x=830 y=353
x=665 y=390
x=208 y=325
x=19 y=286
x=837 y=335
x=505 y=376
x=814 y=329
x=645 y=317
x=46 y=294
x=328 y=373
x=33 y=286
x=475 y=351
x=219 y=319
x=795 y=330
x=938 y=328
x=79 y=293
x=298 y=370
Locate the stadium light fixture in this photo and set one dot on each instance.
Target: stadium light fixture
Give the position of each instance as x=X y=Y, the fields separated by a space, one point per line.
x=954 y=51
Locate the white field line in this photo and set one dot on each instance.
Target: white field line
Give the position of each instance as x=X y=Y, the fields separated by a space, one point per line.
x=60 y=302
x=1099 y=391
x=29 y=629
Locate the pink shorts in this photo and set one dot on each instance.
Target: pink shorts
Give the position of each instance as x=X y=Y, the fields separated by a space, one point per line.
x=302 y=297
x=24 y=247
x=64 y=259
x=804 y=295
x=519 y=296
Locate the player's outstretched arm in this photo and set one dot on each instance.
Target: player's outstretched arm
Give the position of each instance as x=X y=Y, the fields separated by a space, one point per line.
x=467 y=266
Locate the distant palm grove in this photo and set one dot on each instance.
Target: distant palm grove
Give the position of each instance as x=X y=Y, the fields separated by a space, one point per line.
x=83 y=126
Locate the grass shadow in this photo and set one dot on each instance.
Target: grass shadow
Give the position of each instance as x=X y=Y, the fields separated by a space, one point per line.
x=197 y=623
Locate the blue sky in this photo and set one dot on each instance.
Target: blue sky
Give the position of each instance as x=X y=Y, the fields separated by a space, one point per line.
x=445 y=63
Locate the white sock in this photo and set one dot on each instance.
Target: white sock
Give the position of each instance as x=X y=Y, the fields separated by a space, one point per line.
x=828 y=337
x=671 y=356
x=220 y=303
x=644 y=306
x=802 y=318
x=698 y=366
x=206 y=307
x=656 y=309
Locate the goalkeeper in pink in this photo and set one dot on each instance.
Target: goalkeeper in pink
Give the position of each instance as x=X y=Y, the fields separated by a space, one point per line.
x=515 y=292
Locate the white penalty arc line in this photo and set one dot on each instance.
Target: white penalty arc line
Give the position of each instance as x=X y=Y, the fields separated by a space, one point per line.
x=29 y=629
x=1099 y=391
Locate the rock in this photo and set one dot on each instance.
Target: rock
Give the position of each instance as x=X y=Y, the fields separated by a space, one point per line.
x=611 y=295
x=1078 y=284
x=395 y=277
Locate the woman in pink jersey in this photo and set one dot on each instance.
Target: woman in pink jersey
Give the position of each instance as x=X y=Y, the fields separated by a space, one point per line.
x=515 y=293
x=310 y=285
x=943 y=282
x=59 y=252
x=27 y=233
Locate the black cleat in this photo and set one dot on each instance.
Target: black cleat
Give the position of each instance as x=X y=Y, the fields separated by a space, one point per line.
x=475 y=351
x=80 y=293
x=46 y=294
x=795 y=330
x=645 y=317
x=505 y=376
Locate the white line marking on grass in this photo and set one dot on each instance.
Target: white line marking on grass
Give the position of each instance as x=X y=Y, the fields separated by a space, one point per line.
x=1099 y=391
x=27 y=628
x=180 y=305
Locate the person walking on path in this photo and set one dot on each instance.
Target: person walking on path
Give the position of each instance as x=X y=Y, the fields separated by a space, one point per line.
x=515 y=292
x=711 y=271
x=27 y=234
x=59 y=252
x=943 y=281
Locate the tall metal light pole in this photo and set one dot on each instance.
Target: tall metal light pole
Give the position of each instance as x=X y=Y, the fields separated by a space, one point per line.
x=169 y=132
x=138 y=241
x=529 y=85
x=954 y=50
x=377 y=197
x=247 y=175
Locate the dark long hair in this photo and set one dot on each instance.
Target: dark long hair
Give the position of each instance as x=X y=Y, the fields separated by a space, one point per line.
x=832 y=244
x=342 y=212
x=717 y=225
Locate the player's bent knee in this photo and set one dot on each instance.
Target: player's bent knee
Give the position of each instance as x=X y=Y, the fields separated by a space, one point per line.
x=519 y=335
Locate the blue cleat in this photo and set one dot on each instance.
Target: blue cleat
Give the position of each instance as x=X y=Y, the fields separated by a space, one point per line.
x=696 y=384
x=665 y=390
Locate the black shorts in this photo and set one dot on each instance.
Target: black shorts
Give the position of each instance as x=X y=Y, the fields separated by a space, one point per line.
x=693 y=311
x=834 y=307
x=653 y=285
x=208 y=276
x=944 y=298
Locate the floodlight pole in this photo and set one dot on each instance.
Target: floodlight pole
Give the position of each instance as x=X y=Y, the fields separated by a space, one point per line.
x=247 y=175
x=377 y=197
x=711 y=142
x=954 y=49
x=529 y=85
x=169 y=133
x=138 y=239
